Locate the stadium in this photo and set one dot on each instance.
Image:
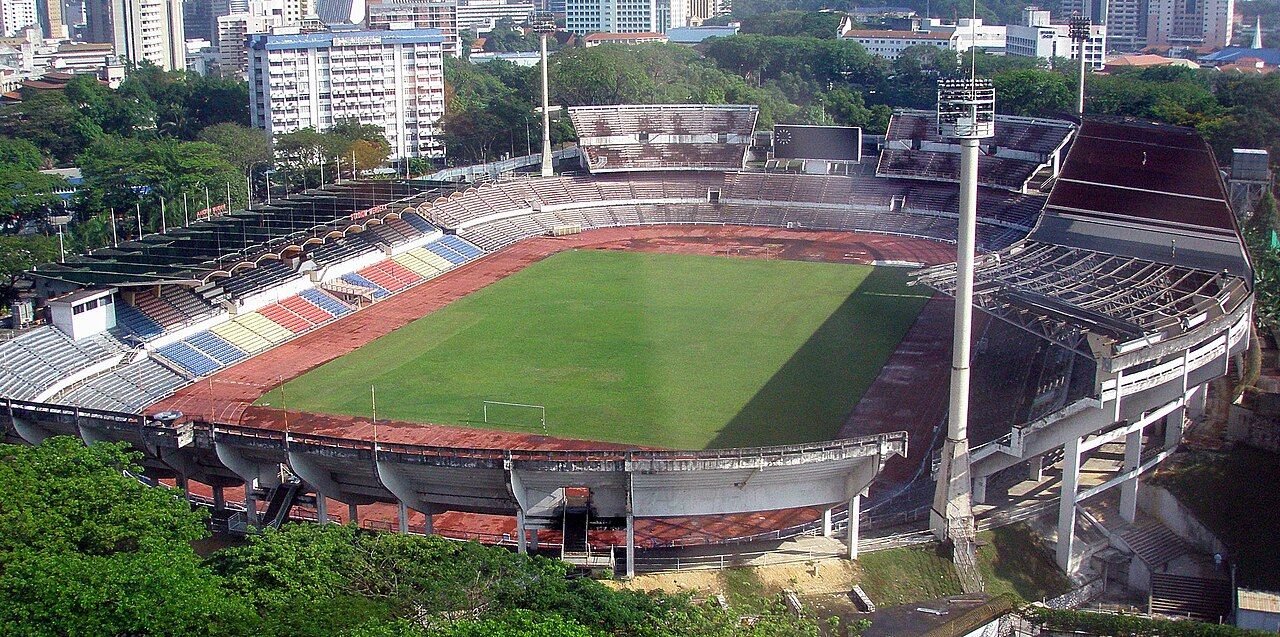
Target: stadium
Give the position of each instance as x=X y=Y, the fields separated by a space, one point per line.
x=659 y=346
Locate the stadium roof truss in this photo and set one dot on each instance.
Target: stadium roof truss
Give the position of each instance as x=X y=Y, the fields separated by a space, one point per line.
x=1064 y=294
x=192 y=254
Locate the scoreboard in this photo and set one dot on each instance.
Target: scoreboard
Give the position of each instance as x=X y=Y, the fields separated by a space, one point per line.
x=835 y=143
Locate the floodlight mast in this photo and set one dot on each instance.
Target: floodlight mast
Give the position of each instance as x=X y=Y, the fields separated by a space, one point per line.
x=1078 y=29
x=544 y=24
x=966 y=112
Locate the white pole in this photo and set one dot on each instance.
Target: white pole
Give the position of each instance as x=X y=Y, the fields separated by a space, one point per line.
x=138 y=208
x=958 y=416
x=164 y=225
x=547 y=169
x=115 y=238
x=1080 y=95
x=186 y=216
x=62 y=253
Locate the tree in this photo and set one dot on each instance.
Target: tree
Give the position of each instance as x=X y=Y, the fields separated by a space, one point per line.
x=27 y=196
x=51 y=123
x=606 y=74
x=241 y=145
x=19 y=154
x=1032 y=92
x=86 y=549
x=19 y=254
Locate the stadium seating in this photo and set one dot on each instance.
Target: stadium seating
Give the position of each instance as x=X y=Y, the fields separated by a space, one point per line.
x=379 y=292
x=325 y=302
x=133 y=321
x=282 y=316
x=390 y=276
x=36 y=360
x=264 y=327
x=188 y=358
x=241 y=337
x=413 y=262
x=657 y=136
x=344 y=249
x=448 y=253
x=215 y=347
x=129 y=388
x=421 y=224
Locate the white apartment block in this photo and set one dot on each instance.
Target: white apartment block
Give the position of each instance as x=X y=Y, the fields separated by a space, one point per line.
x=151 y=31
x=390 y=79
x=420 y=14
x=625 y=16
x=969 y=33
x=16 y=15
x=481 y=15
x=890 y=44
x=1038 y=37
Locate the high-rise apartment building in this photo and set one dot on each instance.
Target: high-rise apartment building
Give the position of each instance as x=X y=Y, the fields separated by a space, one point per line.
x=49 y=15
x=624 y=16
x=340 y=11
x=97 y=21
x=481 y=15
x=16 y=15
x=391 y=79
x=421 y=14
x=150 y=31
x=1189 y=22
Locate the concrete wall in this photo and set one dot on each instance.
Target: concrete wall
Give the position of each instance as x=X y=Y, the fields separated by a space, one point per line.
x=1162 y=504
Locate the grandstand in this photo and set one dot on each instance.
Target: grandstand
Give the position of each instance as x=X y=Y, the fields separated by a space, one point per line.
x=664 y=137
x=1130 y=275
x=1021 y=148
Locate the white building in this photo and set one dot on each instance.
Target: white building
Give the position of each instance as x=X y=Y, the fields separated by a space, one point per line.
x=1185 y=23
x=969 y=33
x=625 y=16
x=16 y=15
x=1039 y=37
x=391 y=79
x=890 y=44
x=420 y=14
x=481 y=15
x=151 y=31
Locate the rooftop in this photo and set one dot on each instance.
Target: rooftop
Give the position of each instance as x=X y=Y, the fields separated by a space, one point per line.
x=882 y=33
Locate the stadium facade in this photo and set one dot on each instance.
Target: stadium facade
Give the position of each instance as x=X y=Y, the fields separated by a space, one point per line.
x=1109 y=241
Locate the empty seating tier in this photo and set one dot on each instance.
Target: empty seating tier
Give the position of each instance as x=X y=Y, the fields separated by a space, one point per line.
x=215 y=347
x=324 y=301
x=188 y=358
x=128 y=388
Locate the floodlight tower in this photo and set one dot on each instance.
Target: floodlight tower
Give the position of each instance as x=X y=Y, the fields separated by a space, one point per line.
x=544 y=24
x=1078 y=29
x=966 y=112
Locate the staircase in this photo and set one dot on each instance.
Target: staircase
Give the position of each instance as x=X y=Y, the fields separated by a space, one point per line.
x=1199 y=598
x=282 y=500
x=1153 y=543
x=575 y=535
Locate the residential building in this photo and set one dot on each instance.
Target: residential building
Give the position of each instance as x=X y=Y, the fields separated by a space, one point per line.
x=596 y=39
x=233 y=29
x=202 y=56
x=1126 y=20
x=49 y=15
x=392 y=79
x=1190 y=22
x=150 y=31
x=340 y=11
x=624 y=16
x=481 y=15
x=1039 y=37
x=422 y=14
x=671 y=14
x=16 y=15
x=891 y=44
x=97 y=21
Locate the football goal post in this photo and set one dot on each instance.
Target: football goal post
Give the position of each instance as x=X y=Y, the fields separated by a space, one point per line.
x=518 y=414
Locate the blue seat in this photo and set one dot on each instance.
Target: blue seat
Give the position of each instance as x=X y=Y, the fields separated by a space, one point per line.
x=325 y=302
x=462 y=246
x=379 y=292
x=188 y=358
x=133 y=320
x=421 y=224
x=447 y=253
x=215 y=346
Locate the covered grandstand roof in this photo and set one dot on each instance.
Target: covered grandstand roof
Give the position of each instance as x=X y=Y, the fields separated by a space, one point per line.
x=1137 y=245
x=192 y=254
x=1144 y=190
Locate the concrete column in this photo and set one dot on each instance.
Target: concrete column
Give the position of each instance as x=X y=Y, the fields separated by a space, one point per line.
x=1129 y=488
x=1067 y=502
x=546 y=168
x=322 y=508
x=980 y=489
x=1035 y=469
x=250 y=505
x=1173 y=427
x=219 y=499
x=631 y=546
x=181 y=482
x=1197 y=403
x=855 y=510
x=403 y=517
x=533 y=539
x=353 y=515
x=520 y=543
x=826 y=522
x=427 y=510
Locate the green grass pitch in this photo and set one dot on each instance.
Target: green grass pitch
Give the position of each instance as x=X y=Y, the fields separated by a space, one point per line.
x=677 y=351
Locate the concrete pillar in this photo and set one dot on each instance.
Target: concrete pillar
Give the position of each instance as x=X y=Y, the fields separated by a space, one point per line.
x=427 y=510
x=855 y=510
x=250 y=505
x=1173 y=427
x=980 y=489
x=403 y=517
x=353 y=516
x=181 y=483
x=631 y=546
x=1198 y=402
x=322 y=508
x=219 y=499
x=533 y=539
x=1067 y=502
x=521 y=548
x=1129 y=488
x=1035 y=469
x=826 y=522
